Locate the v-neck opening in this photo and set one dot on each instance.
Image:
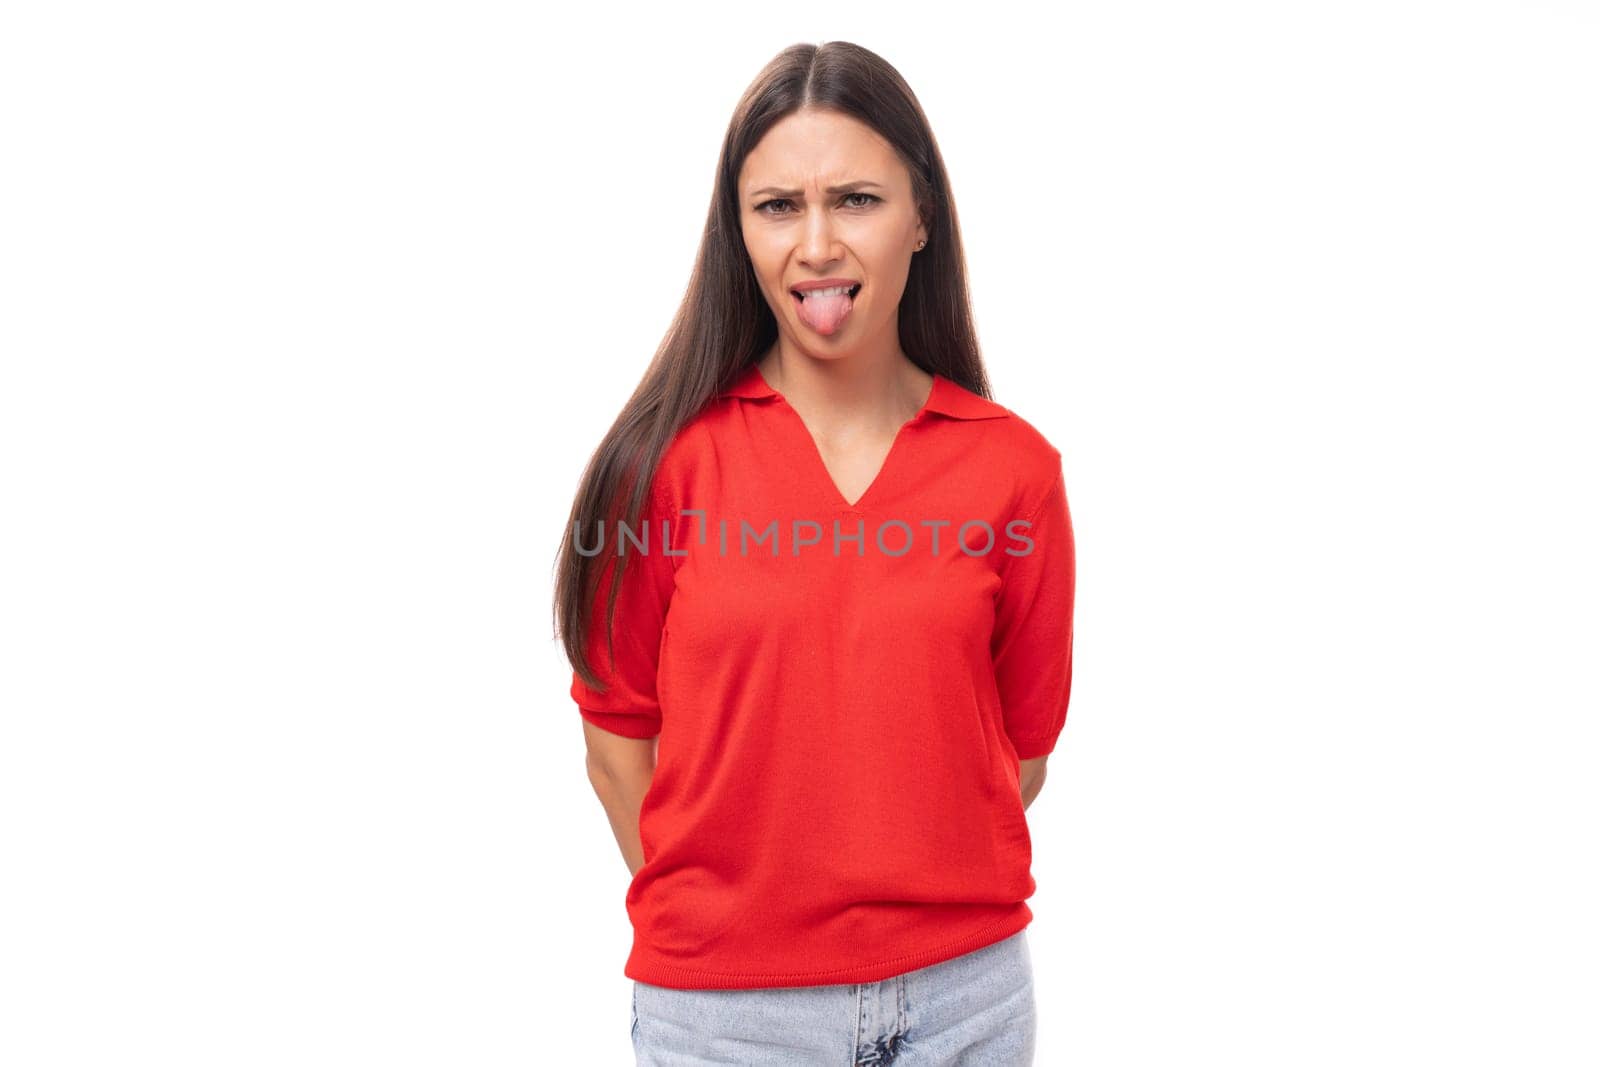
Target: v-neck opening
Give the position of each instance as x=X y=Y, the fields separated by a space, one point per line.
x=883 y=467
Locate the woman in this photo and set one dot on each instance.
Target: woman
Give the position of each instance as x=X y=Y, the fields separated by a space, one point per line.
x=823 y=690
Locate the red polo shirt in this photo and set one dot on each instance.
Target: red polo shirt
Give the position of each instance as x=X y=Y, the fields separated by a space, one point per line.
x=842 y=691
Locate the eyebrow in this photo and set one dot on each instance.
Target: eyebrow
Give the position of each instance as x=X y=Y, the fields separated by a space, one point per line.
x=847 y=187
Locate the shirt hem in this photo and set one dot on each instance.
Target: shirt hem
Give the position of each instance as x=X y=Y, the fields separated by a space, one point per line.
x=643 y=966
x=627 y=724
x=1034 y=747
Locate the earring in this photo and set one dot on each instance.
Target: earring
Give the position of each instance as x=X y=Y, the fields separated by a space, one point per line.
x=920 y=244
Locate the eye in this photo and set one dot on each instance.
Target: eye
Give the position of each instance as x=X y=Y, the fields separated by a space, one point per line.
x=867 y=201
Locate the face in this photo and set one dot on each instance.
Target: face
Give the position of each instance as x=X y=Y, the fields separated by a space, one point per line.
x=823 y=196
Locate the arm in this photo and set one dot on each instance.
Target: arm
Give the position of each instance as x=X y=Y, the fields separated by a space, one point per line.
x=622 y=717
x=620 y=770
x=1033 y=771
x=1032 y=644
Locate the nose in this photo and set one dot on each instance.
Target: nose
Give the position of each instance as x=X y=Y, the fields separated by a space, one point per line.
x=819 y=244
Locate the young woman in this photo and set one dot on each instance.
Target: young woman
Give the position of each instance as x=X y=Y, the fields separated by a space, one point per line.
x=817 y=593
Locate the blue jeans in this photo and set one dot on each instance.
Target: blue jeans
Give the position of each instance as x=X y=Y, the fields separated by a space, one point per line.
x=977 y=1008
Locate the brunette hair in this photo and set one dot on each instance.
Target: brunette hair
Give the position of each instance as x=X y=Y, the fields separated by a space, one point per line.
x=724 y=323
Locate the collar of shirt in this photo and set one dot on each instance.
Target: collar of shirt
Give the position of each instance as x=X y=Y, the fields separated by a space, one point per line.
x=946 y=398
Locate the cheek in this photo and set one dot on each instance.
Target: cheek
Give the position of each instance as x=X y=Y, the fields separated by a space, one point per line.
x=767 y=262
x=887 y=268
x=885 y=252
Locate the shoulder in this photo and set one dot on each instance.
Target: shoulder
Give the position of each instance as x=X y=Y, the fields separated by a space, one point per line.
x=685 y=453
x=1035 y=455
x=1021 y=452
x=1003 y=428
x=1036 y=487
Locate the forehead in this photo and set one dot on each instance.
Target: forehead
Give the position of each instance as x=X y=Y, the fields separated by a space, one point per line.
x=817 y=148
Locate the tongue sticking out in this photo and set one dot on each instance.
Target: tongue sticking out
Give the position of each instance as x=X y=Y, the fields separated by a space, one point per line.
x=825 y=313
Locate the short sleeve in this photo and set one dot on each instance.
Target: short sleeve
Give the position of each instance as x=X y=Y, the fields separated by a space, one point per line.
x=629 y=704
x=1032 y=642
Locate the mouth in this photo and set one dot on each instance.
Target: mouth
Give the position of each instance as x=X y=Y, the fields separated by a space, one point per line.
x=824 y=309
x=833 y=290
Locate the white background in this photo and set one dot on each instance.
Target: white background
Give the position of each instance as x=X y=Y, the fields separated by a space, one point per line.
x=312 y=313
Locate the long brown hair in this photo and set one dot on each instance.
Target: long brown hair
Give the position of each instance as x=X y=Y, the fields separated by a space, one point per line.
x=724 y=323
